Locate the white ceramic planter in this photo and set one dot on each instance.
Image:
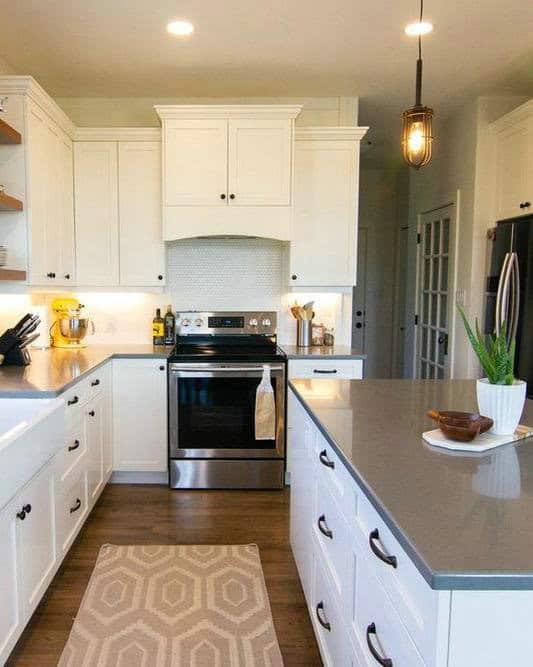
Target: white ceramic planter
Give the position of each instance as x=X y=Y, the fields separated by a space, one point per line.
x=502 y=403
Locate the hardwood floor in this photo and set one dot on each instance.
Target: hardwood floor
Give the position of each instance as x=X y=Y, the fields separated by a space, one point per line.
x=136 y=514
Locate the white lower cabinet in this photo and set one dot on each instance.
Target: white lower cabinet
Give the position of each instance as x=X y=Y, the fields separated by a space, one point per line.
x=140 y=415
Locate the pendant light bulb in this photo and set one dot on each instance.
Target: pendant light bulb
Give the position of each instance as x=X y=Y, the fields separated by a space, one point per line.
x=417 y=136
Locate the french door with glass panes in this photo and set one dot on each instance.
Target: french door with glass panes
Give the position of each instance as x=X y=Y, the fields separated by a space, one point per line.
x=436 y=234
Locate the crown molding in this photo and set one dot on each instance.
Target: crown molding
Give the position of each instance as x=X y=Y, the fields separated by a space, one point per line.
x=27 y=85
x=265 y=111
x=117 y=134
x=515 y=116
x=330 y=133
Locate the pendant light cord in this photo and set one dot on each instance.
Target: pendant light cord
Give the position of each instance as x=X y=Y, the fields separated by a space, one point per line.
x=418 y=96
x=420 y=36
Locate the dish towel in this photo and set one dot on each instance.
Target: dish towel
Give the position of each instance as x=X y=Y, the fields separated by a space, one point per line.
x=265 y=408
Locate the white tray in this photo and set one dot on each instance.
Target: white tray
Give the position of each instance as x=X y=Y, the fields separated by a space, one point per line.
x=479 y=444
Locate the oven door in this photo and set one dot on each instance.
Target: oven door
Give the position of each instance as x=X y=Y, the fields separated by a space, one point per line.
x=212 y=411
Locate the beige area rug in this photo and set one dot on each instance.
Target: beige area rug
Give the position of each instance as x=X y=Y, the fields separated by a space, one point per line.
x=174 y=606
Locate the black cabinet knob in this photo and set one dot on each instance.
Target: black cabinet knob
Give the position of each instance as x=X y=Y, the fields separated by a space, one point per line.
x=527 y=204
x=67 y=276
x=232 y=196
x=294 y=276
x=160 y=277
x=161 y=368
x=359 y=313
x=91 y=413
x=222 y=196
x=358 y=325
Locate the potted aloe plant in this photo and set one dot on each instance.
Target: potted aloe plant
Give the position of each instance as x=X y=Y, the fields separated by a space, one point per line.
x=500 y=395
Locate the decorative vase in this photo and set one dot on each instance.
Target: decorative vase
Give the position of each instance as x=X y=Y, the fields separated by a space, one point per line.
x=503 y=403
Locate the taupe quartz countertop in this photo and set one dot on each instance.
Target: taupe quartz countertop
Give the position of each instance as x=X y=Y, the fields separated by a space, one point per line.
x=54 y=370
x=328 y=352
x=466 y=520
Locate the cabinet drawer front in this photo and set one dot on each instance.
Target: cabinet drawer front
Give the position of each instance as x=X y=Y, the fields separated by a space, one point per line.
x=72 y=456
x=75 y=399
x=332 y=473
x=334 y=542
x=378 y=630
x=320 y=369
x=71 y=509
x=98 y=382
x=414 y=600
x=332 y=639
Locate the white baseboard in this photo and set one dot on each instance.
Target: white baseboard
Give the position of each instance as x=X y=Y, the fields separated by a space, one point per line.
x=130 y=477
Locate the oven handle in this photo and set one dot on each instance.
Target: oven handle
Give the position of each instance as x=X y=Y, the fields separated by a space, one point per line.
x=176 y=368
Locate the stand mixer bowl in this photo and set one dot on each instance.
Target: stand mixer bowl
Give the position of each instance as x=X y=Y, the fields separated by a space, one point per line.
x=74 y=328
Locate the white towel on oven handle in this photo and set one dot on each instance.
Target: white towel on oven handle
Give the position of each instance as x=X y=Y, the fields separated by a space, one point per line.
x=265 y=408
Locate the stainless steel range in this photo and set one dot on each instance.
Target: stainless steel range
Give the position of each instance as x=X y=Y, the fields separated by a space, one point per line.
x=214 y=372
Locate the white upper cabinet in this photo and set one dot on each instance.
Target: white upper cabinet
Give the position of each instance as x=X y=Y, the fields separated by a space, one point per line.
x=227 y=170
x=514 y=163
x=196 y=162
x=260 y=153
x=142 y=251
x=50 y=201
x=326 y=184
x=96 y=210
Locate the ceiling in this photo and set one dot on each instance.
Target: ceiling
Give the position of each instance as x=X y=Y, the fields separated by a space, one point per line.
x=98 y=48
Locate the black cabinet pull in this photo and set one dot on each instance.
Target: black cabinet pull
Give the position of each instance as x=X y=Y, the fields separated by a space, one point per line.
x=323 y=622
x=76 y=506
x=95 y=383
x=161 y=368
x=160 y=277
x=319 y=371
x=527 y=204
x=323 y=527
x=323 y=456
x=67 y=276
x=521 y=204
x=384 y=662
x=51 y=275
x=91 y=413
x=222 y=196
x=73 y=401
x=390 y=560
x=232 y=196
x=75 y=446
x=26 y=509
x=294 y=277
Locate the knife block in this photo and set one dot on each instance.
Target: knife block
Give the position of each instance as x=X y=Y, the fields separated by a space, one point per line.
x=17 y=357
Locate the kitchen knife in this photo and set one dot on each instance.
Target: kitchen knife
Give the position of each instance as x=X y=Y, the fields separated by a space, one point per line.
x=28 y=340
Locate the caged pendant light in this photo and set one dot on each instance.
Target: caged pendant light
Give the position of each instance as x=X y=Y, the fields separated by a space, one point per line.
x=417 y=137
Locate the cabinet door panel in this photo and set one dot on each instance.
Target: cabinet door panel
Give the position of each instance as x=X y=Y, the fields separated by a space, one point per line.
x=195 y=162
x=323 y=250
x=260 y=162
x=65 y=209
x=142 y=251
x=10 y=612
x=512 y=170
x=37 y=556
x=96 y=210
x=95 y=447
x=140 y=415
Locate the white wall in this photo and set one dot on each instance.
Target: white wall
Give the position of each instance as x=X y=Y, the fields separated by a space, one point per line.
x=462 y=161
x=139 y=111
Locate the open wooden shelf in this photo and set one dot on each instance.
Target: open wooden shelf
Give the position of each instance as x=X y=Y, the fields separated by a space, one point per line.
x=8 y=134
x=8 y=203
x=12 y=274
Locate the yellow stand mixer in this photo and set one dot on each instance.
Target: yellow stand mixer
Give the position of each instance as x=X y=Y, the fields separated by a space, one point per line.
x=69 y=329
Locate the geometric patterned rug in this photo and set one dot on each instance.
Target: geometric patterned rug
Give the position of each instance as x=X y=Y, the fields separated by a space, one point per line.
x=174 y=606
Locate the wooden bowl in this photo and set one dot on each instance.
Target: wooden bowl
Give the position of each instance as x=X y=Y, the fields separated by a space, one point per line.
x=461 y=426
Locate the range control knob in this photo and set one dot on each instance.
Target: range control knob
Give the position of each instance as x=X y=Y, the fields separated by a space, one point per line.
x=253 y=322
x=199 y=322
x=185 y=323
x=266 y=322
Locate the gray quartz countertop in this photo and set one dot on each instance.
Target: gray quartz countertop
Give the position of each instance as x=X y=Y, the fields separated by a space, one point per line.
x=54 y=370
x=465 y=519
x=324 y=351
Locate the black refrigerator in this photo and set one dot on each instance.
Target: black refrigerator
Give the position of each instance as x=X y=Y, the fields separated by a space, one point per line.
x=509 y=293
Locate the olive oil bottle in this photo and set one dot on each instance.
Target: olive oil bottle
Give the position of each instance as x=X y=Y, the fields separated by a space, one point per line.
x=170 y=326
x=158 y=329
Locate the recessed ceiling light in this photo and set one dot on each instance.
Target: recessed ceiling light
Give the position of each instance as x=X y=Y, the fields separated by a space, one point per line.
x=418 y=28
x=180 y=28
